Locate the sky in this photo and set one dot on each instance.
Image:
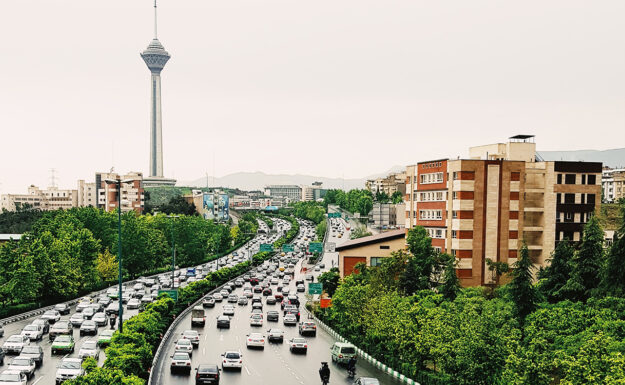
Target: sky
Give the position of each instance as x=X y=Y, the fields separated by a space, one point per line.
x=343 y=88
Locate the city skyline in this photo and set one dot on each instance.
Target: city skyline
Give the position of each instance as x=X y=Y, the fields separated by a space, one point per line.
x=244 y=95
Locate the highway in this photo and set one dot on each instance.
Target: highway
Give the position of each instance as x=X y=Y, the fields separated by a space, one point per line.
x=275 y=364
x=46 y=373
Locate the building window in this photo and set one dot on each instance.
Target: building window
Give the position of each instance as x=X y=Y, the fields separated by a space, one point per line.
x=454 y=234
x=439 y=233
x=455 y=174
x=453 y=252
x=583 y=178
x=590 y=198
x=454 y=214
x=557 y=217
x=568 y=217
x=438 y=249
x=375 y=261
x=569 y=179
x=385 y=247
x=569 y=198
x=559 y=178
x=592 y=179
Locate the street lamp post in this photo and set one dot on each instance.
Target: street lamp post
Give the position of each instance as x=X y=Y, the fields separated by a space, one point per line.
x=118 y=184
x=173 y=248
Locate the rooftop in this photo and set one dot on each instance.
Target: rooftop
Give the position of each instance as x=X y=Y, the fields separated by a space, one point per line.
x=377 y=238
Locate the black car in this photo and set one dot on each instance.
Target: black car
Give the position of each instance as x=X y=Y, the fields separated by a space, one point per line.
x=207 y=374
x=271 y=300
x=223 y=322
x=273 y=315
x=267 y=292
x=2 y=354
x=293 y=300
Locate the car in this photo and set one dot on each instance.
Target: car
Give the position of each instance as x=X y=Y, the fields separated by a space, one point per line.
x=184 y=345
x=228 y=310
x=242 y=300
x=88 y=313
x=33 y=351
x=34 y=332
x=307 y=327
x=271 y=300
x=62 y=308
x=100 y=318
x=286 y=291
x=267 y=291
x=76 y=319
x=218 y=297
x=207 y=374
x=232 y=360
x=82 y=305
x=208 y=302
x=275 y=335
x=15 y=343
x=278 y=296
x=367 y=381
x=59 y=328
x=310 y=277
x=89 y=348
x=23 y=364
x=63 y=343
x=88 y=327
x=322 y=265
x=193 y=336
x=223 y=322
x=248 y=293
x=273 y=316
x=113 y=308
x=257 y=305
x=51 y=315
x=255 y=340
x=298 y=345
x=295 y=312
x=341 y=352
x=289 y=319
x=256 y=320
x=104 y=339
x=68 y=369
x=13 y=377
x=180 y=362
x=104 y=300
x=133 y=303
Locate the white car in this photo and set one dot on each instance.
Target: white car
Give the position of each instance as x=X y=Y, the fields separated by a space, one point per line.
x=232 y=359
x=100 y=319
x=290 y=319
x=133 y=303
x=193 y=336
x=25 y=365
x=255 y=340
x=180 y=361
x=184 y=345
x=52 y=316
x=228 y=310
x=218 y=297
x=15 y=343
x=256 y=319
x=34 y=332
x=69 y=368
x=83 y=305
x=89 y=348
x=13 y=377
x=76 y=319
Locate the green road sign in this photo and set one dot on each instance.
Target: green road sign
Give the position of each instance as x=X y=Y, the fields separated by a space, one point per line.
x=315 y=288
x=334 y=215
x=288 y=248
x=315 y=247
x=172 y=293
x=266 y=247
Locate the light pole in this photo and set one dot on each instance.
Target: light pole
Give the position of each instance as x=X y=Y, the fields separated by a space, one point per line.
x=173 y=247
x=118 y=183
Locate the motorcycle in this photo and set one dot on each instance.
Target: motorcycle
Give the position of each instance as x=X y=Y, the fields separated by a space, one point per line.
x=351 y=372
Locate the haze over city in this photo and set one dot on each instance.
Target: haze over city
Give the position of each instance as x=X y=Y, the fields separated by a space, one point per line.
x=338 y=89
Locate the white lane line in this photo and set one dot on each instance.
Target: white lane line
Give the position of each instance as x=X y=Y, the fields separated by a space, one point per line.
x=203 y=351
x=39 y=379
x=247 y=370
x=205 y=337
x=221 y=337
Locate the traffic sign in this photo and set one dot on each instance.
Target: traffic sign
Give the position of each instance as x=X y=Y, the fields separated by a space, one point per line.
x=266 y=247
x=315 y=247
x=334 y=215
x=315 y=288
x=325 y=303
x=288 y=248
x=173 y=294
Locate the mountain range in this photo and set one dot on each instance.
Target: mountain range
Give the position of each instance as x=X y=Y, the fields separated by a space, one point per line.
x=614 y=158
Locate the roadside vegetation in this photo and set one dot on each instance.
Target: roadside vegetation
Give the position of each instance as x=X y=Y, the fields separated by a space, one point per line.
x=354 y=201
x=568 y=328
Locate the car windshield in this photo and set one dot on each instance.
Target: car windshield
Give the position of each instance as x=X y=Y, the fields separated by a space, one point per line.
x=348 y=350
x=10 y=377
x=107 y=333
x=15 y=339
x=89 y=345
x=50 y=312
x=190 y=333
x=62 y=338
x=181 y=356
x=70 y=365
x=184 y=342
x=30 y=349
x=299 y=340
x=88 y=323
x=39 y=322
x=232 y=355
x=31 y=328
x=20 y=362
x=61 y=325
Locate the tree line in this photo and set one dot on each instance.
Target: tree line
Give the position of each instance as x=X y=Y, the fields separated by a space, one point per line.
x=68 y=252
x=354 y=201
x=566 y=328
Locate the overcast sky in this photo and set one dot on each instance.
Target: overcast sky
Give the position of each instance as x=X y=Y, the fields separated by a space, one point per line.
x=328 y=87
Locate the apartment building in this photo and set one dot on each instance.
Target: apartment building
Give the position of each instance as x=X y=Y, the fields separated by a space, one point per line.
x=389 y=184
x=387 y=215
x=292 y=192
x=483 y=208
x=87 y=194
x=613 y=185
x=132 y=197
x=313 y=192
x=51 y=198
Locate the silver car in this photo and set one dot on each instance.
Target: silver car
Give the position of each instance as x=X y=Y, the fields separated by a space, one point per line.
x=89 y=348
x=34 y=332
x=15 y=343
x=76 y=319
x=52 y=316
x=88 y=327
x=25 y=365
x=69 y=368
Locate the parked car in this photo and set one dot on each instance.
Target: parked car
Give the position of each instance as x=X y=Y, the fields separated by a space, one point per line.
x=180 y=362
x=232 y=360
x=68 y=369
x=207 y=374
x=33 y=351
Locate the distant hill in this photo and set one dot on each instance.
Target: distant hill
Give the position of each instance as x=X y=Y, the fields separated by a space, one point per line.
x=258 y=180
x=612 y=158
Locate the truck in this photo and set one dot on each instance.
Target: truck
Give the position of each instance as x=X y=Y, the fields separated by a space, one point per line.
x=197 y=316
x=190 y=271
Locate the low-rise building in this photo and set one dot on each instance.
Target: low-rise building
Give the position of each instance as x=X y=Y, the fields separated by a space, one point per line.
x=51 y=198
x=292 y=192
x=390 y=184
x=613 y=185
x=87 y=194
x=369 y=250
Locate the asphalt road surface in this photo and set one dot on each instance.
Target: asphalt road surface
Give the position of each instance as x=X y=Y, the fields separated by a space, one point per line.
x=275 y=364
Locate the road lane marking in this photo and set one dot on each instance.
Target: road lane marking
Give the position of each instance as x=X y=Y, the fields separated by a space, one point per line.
x=39 y=379
x=247 y=370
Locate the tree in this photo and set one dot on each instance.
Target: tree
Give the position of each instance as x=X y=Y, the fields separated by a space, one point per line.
x=451 y=284
x=424 y=264
x=107 y=266
x=330 y=280
x=177 y=205
x=382 y=197
x=497 y=269
x=397 y=197
x=359 y=232
x=613 y=269
x=555 y=276
x=587 y=264
x=522 y=290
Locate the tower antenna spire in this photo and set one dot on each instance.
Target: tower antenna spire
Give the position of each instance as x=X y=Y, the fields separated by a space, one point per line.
x=155 y=19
